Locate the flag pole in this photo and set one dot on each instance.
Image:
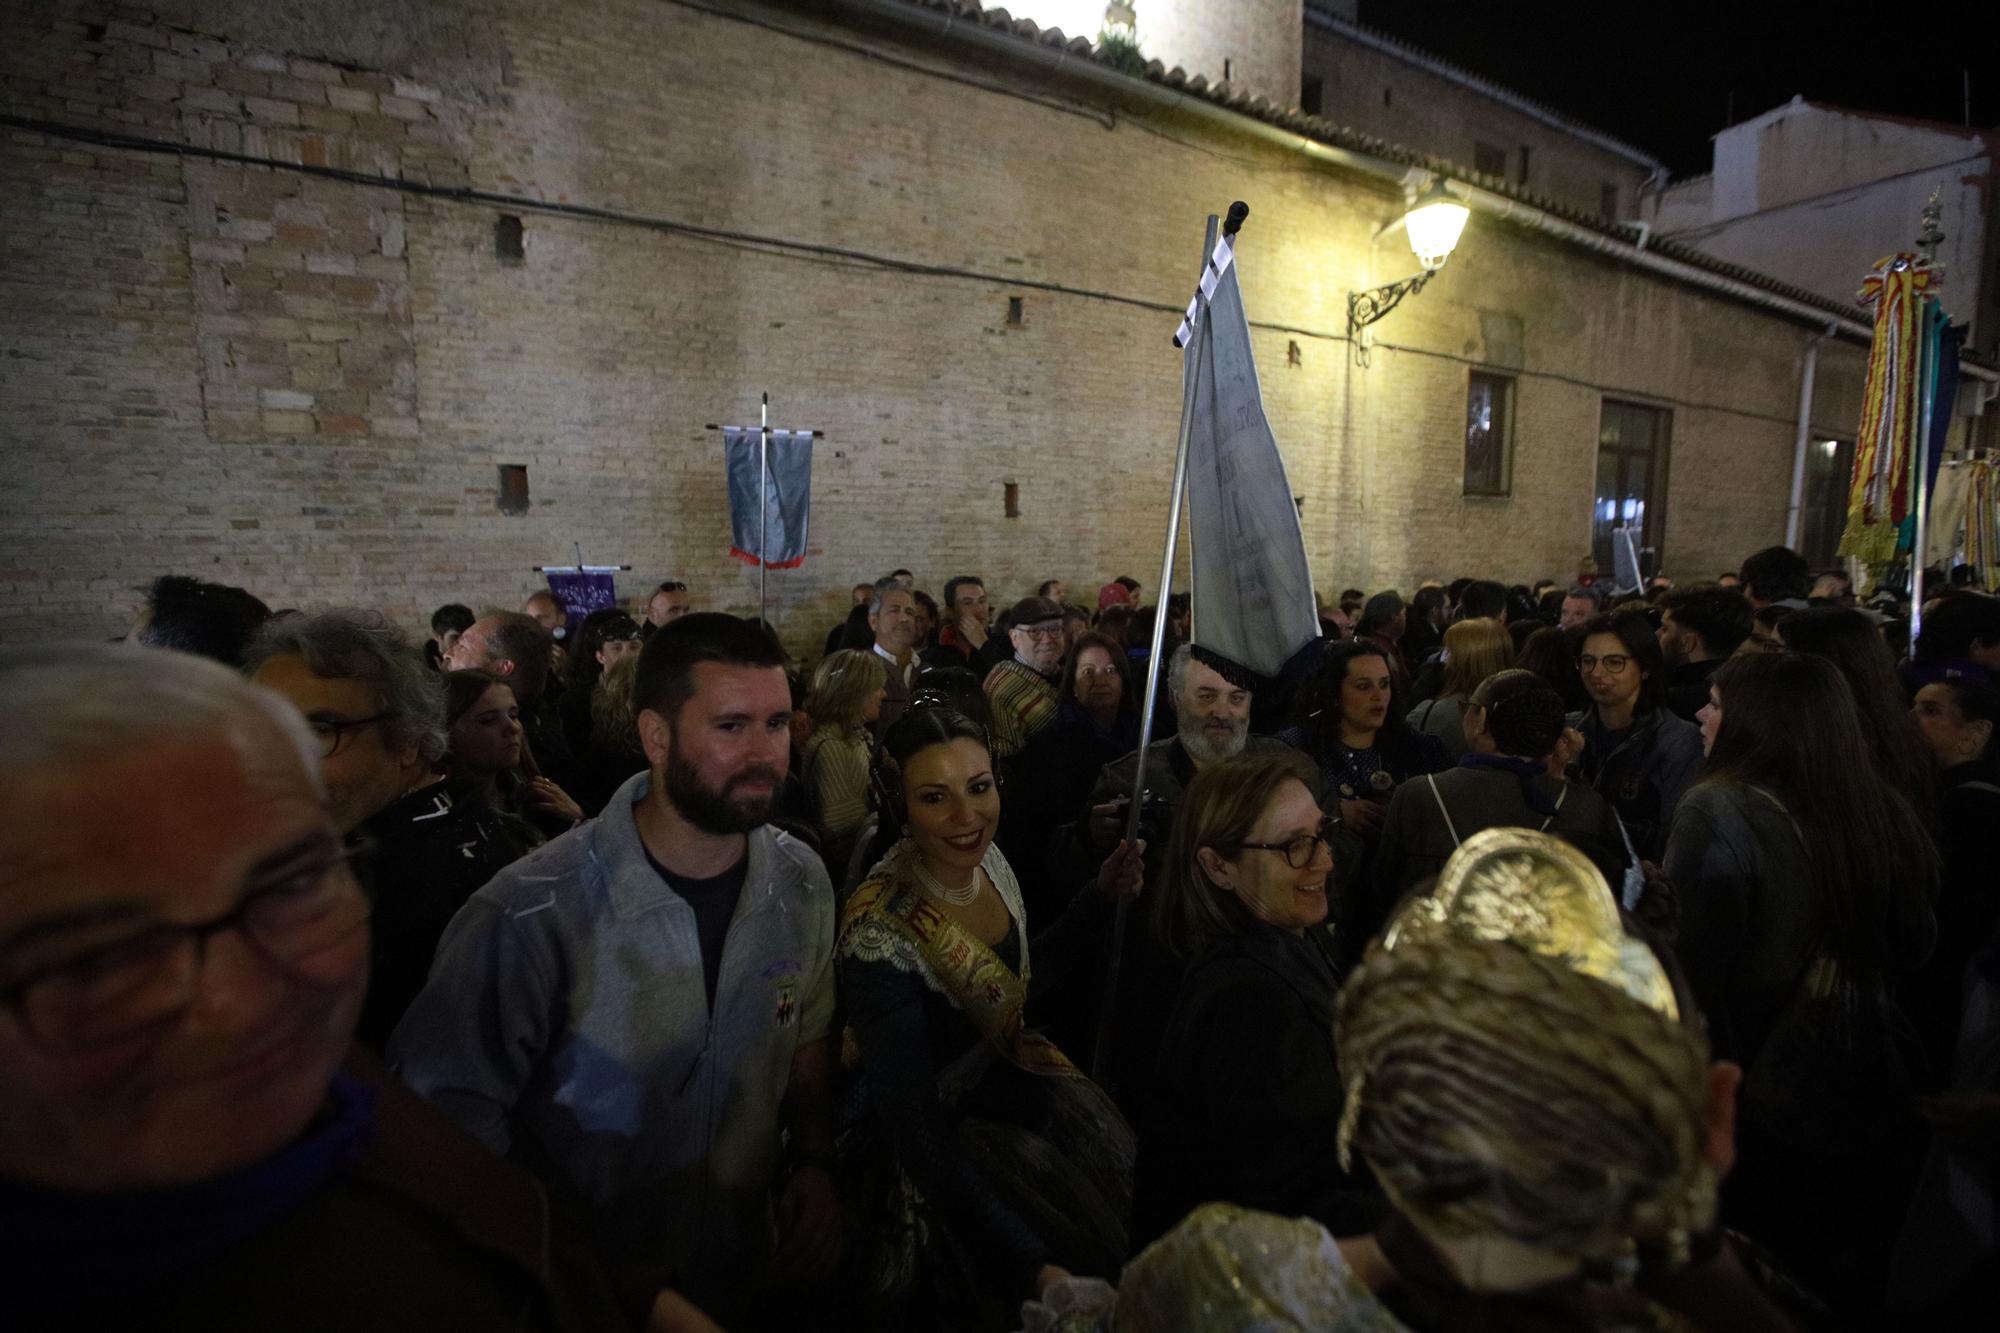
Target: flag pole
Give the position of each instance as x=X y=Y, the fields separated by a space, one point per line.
x=1927 y=243
x=763 y=506
x=1100 y=1060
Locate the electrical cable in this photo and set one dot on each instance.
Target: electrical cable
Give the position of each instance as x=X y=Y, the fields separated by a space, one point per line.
x=834 y=256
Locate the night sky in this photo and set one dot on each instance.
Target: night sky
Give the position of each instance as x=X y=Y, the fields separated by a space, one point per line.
x=1662 y=75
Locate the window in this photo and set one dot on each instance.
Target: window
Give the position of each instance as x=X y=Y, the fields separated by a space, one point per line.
x=1631 y=482
x=1829 y=464
x=513 y=488
x=1489 y=423
x=1607 y=201
x=508 y=245
x=1523 y=180
x=1312 y=94
x=1488 y=160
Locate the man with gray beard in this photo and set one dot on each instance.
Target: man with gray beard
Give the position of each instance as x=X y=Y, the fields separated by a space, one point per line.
x=1211 y=696
x=640 y=1007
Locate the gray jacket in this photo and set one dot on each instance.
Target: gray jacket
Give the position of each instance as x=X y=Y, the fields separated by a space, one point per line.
x=566 y=1020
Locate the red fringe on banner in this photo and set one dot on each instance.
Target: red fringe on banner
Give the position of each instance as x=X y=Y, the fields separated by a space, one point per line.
x=753 y=561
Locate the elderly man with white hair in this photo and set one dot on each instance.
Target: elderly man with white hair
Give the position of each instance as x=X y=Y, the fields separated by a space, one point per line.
x=188 y=1137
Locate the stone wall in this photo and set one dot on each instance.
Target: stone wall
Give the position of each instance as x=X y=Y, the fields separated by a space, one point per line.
x=306 y=385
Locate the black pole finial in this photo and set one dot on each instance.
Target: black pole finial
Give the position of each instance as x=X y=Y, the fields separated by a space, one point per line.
x=1234 y=222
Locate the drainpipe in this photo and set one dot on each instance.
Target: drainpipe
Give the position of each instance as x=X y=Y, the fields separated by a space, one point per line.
x=1802 y=440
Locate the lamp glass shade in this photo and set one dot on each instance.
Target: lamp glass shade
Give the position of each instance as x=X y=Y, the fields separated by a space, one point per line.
x=1434 y=225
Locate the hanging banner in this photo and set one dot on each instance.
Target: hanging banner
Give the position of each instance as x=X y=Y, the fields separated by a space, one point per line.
x=1879 y=497
x=779 y=516
x=583 y=591
x=1253 y=592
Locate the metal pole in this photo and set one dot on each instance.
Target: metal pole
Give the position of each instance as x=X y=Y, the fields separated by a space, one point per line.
x=1100 y=1059
x=1920 y=467
x=1800 y=443
x=763 y=506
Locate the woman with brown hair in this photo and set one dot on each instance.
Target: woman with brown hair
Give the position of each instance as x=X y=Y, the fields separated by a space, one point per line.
x=1246 y=1083
x=1805 y=885
x=490 y=750
x=1473 y=650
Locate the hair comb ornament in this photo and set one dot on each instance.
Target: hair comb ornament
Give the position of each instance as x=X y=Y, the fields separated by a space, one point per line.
x=1537 y=891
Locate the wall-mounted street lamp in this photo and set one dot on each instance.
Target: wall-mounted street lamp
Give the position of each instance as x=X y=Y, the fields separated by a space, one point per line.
x=1433 y=223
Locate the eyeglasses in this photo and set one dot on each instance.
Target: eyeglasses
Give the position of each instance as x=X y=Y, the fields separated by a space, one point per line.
x=333 y=733
x=1298 y=852
x=1613 y=664
x=1093 y=672
x=1042 y=631
x=139 y=984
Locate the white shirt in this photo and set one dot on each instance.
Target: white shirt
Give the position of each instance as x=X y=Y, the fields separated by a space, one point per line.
x=905 y=672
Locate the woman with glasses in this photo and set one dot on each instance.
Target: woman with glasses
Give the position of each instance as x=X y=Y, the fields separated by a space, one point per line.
x=490 y=752
x=1637 y=753
x=1247 y=1085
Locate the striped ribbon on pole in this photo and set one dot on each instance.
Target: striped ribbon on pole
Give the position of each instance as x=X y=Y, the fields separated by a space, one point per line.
x=1218 y=260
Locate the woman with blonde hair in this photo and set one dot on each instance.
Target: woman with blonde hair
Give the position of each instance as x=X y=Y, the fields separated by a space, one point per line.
x=846 y=696
x=1473 y=650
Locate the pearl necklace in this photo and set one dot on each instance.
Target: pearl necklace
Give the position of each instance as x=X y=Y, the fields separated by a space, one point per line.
x=956 y=897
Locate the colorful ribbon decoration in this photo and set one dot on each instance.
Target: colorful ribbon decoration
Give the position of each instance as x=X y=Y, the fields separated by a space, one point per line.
x=1891 y=408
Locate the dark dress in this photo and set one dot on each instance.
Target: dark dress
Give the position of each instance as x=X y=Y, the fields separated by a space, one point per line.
x=1011 y=1169
x=1247 y=1097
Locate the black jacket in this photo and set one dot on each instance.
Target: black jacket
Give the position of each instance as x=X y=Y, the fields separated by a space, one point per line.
x=432 y=849
x=1247 y=1095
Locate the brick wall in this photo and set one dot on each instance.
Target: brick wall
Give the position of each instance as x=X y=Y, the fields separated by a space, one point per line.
x=306 y=385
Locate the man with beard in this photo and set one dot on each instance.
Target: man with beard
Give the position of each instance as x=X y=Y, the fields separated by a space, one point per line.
x=640 y=1008
x=1211 y=696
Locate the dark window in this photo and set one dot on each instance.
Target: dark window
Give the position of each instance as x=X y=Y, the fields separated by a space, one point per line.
x=1014 y=310
x=1489 y=423
x=1829 y=464
x=1488 y=160
x=1012 y=497
x=507 y=245
x=513 y=488
x=1385 y=96
x=1524 y=165
x=1312 y=94
x=1607 y=201
x=1631 y=482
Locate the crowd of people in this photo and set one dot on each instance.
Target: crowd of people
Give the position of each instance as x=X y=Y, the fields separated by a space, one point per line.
x=1519 y=957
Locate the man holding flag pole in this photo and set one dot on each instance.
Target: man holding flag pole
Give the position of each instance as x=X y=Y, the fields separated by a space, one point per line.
x=1253 y=607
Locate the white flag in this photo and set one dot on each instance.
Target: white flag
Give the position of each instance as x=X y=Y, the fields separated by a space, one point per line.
x=1253 y=594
